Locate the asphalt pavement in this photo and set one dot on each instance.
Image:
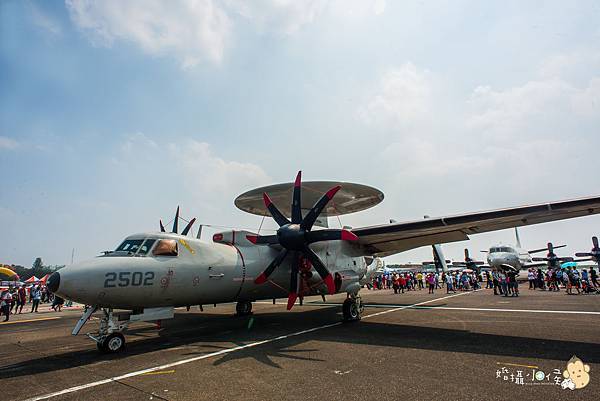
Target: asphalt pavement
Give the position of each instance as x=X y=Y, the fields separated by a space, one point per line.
x=464 y=346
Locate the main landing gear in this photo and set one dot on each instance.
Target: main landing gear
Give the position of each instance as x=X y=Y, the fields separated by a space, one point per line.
x=352 y=308
x=243 y=308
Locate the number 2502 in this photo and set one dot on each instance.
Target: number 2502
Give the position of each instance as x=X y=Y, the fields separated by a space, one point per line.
x=125 y=279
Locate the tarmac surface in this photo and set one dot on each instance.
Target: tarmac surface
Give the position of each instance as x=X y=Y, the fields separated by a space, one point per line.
x=410 y=346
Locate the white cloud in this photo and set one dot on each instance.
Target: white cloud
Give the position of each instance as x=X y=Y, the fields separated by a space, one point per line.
x=208 y=175
x=8 y=143
x=190 y=30
x=196 y=30
x=404 y=96
x=543 y=108
x=286 y=16
x=44 y=21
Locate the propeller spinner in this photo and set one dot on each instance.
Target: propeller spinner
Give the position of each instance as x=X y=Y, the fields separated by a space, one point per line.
x=295 y=236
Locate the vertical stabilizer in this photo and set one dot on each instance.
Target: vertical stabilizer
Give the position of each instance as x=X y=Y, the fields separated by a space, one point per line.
x=518 y=239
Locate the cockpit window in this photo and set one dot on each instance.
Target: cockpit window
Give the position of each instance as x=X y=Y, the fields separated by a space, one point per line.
x=130 y=245
x=502 y=249
x=146 y=246
x=166 y=247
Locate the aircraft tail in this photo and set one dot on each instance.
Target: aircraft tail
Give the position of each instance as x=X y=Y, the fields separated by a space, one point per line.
x=517 y=237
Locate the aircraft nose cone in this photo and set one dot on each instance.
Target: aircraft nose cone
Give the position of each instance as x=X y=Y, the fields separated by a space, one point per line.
x=53 y=282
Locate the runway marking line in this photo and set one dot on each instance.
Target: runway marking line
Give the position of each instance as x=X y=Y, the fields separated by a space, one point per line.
x=116 y=379
x=468 y=309
x=30 y=320
x=160 y=372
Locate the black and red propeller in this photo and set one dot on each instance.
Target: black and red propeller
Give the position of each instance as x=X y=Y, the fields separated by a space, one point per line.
x=594 y=254
x=295 y=236
x=175 y=224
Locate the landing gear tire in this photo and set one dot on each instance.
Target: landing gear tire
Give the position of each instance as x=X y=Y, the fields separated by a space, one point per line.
x=112 y=343
x=351 y=310
x=243 y=308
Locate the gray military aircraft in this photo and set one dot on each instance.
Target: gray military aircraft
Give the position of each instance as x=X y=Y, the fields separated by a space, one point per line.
x=149 y=274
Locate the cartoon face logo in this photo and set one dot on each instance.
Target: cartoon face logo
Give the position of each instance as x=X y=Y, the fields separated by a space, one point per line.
x=577 y=372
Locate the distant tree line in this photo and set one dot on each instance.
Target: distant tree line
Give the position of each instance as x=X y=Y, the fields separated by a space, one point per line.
x=38 y=269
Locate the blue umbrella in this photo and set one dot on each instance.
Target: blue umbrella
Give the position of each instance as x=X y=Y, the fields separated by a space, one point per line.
x=569 y=264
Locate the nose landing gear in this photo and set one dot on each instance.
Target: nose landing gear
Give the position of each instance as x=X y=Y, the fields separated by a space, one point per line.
x=109 y=338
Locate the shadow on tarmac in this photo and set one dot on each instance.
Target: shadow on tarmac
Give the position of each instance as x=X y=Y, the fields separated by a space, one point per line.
x=190 y=329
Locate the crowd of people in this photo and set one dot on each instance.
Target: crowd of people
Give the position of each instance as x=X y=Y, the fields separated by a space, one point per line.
x=13 y=299
x=414 y=281
x=503 y=282
x=569 y=278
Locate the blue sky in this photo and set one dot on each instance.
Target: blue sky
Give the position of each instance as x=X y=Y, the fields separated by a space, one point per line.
x=112 y=113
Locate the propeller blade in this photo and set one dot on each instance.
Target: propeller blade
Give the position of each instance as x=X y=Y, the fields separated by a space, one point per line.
x=293 y=295
x=175 y=221
x=550 y=247
x=321 y=269
x=296 y=205
x=162 y=228
x=466 y=253
x=583 y=254
x=595 y=242
x=275 y=213
x=330 y=235
x=316 y=210
x=263 y=239
x=566 y=259
x=539 y=259
x=187 y=228
x=276 y=262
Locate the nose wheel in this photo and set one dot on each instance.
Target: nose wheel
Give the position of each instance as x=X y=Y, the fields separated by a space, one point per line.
x=112 y=343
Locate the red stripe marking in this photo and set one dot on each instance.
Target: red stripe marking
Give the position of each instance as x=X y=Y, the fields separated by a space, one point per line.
x=252 y=238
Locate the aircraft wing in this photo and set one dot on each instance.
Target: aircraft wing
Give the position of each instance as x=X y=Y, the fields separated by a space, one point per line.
x=388 y=239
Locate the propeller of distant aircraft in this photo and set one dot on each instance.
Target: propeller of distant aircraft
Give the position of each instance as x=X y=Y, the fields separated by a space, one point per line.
x=594 y=254
x=552 y=259
x=295 y=236
x=469 y=262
